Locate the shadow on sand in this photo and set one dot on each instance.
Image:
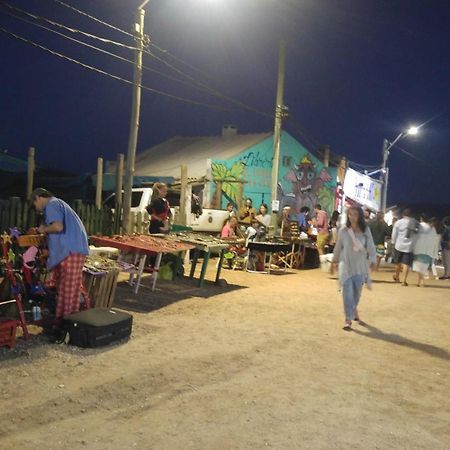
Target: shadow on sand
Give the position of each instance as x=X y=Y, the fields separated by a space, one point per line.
x=375 y=333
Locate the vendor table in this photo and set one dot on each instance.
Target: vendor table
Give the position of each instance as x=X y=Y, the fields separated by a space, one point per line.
x=208 y=245
x=141 y=246
x=271 y=248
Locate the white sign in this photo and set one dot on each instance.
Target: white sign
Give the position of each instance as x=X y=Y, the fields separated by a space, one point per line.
x=362 y=189
x=275 y=205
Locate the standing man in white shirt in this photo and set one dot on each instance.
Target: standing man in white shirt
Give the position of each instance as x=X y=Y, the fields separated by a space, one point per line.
x=403 y=235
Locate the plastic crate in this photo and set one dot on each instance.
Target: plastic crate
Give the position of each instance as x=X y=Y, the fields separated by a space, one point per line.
x=8 y=329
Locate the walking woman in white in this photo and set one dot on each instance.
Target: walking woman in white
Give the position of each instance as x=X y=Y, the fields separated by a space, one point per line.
x=425 y=249
x=356 y=254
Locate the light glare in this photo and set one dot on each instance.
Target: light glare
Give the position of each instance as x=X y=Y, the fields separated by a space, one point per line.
x=413 y=131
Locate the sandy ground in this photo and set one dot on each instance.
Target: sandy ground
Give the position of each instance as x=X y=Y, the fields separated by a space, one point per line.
x=259 y=362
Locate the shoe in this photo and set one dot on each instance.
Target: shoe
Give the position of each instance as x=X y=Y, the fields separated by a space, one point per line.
x=347 y=327
x=445 y=277
x=404 y=283
x=397 y=280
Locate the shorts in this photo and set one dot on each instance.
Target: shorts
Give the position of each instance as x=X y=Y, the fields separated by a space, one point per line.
x=380 y=250
x=402 y=257
x=321 y=240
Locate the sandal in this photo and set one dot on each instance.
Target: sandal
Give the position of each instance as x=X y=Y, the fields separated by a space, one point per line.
x=347 y=327
x=404 y=283
x=397 y=280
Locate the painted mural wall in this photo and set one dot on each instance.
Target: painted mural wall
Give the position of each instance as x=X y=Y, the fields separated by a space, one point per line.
x=302 y=178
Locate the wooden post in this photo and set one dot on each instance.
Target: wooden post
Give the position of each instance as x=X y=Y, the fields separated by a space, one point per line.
x=326 y=155
x=208 y=185
x=98 y=192
x=217 y=200
x=119 y=179
x=341 y=170
x=183 y=193
x=240 y=194
x=30 y=172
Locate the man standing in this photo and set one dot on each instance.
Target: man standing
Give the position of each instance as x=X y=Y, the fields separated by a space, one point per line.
x=403 y=235
x=321 y=224
x=67 y=247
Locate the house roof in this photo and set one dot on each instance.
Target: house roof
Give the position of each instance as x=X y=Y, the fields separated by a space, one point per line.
x=166 y=158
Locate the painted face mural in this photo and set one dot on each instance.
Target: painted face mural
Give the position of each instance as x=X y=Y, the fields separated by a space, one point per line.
x=306 y=184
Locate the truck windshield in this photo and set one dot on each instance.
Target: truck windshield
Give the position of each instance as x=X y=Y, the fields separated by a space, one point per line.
x=135 y=200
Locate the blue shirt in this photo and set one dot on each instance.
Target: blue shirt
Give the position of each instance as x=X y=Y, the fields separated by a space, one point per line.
x=73 y=238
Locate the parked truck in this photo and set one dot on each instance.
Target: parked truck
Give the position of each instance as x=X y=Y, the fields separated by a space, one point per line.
x=209 y=221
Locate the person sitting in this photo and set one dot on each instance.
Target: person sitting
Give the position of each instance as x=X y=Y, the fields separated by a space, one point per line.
x=247 y=212
x=264 y=218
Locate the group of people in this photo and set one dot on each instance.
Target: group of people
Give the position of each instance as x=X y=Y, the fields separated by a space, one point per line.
x=360 y=247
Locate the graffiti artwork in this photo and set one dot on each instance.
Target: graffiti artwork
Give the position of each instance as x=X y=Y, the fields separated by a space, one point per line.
x=308 y=186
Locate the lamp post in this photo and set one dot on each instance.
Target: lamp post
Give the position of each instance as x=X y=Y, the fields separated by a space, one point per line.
x=411 y=131
x=134 y=120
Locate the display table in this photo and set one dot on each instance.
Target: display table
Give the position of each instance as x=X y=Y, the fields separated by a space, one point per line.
x=141 y=246
x=208 y=245
x=271 y=248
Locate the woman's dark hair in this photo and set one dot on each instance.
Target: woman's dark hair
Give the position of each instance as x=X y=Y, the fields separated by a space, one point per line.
x=334 y=218
x=265 y=206
x=425 y=218
x=304 y=209
x=361 y=222
x=437 y=224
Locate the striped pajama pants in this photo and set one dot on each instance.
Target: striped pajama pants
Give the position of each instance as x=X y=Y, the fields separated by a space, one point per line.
x=68 y=278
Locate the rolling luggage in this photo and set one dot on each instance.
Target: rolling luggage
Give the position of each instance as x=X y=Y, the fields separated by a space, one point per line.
x=96 y=327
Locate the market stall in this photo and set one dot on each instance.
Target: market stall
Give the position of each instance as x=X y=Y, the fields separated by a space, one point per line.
x=141 y=246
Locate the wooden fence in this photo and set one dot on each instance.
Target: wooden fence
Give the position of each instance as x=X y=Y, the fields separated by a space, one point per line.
x=15 y=212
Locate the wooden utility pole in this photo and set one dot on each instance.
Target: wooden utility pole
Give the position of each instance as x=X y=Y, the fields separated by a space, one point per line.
x=279 y=108
x=183 y=194
x=326 y=155
x=134 y=121
x=30 y=172
x=119 y=180
x=98 y=191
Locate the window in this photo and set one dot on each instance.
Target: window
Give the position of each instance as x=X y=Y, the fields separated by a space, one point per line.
x=287 y=161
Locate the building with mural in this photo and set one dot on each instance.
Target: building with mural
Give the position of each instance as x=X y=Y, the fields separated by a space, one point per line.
x=233 y=167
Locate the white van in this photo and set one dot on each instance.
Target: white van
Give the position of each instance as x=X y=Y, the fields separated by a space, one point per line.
x=211 y=220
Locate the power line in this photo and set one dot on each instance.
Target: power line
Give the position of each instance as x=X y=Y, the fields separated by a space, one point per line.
x=121 y=58
x=205 y=87
x=94 y=18
x=162 y=50
x=64 y=27
x=95 y=69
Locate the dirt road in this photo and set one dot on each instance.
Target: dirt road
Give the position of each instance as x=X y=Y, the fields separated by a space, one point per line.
x=260 y=362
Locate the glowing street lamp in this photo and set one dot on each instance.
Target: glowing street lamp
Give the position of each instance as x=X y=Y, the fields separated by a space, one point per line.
x=411 y=131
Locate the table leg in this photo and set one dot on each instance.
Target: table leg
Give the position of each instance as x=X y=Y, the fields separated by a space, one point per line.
x=204 y=266
x=156 y=270
x=219 y=266
x=194 y=262
x=140 y=271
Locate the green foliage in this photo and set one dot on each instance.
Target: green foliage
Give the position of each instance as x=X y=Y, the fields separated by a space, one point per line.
x=326 y=199
x=227 y=175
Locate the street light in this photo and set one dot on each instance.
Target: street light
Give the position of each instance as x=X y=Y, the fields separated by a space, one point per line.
x=411 y=131
x=134 y=120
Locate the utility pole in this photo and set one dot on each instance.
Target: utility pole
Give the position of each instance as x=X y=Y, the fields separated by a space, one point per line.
x=385 y=174
x=279 y=110
x=134 y=121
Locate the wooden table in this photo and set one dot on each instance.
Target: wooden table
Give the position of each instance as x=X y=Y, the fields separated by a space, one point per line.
x=208 y=245
x=142 y=246
x=271 y=248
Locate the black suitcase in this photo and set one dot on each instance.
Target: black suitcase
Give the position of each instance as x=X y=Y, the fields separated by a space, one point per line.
x=97 y=326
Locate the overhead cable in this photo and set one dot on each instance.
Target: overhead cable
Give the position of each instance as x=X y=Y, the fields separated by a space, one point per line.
x=121 y=58
x=72 y=30
x=94 y=18
x=96 y=69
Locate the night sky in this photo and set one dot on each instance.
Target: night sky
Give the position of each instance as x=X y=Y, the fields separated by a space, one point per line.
x=357 y=71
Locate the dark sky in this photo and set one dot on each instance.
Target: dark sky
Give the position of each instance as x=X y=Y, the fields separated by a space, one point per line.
x=357 y=71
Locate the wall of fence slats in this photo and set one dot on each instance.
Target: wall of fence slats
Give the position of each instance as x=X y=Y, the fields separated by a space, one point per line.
x=15 y=212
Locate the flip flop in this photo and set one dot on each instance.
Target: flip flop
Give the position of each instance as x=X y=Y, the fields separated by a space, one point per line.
x=347 y=327
x=404 y=283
